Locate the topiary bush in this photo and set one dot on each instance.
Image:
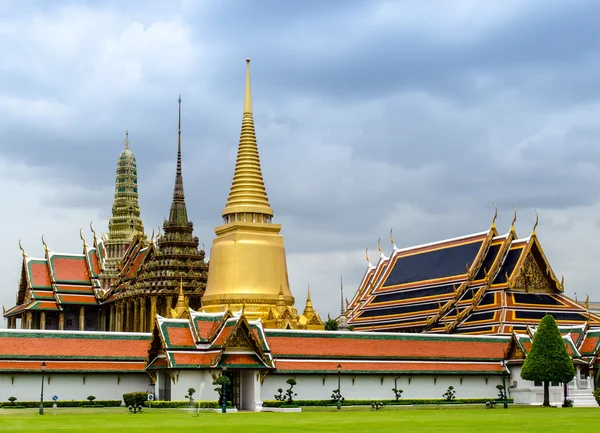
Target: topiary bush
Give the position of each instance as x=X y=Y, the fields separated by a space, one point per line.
x=91 y=398
x=12 y=400
x=450 y=394
x=135 y=399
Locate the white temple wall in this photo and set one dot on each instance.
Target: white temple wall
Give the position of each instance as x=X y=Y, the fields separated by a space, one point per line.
x=200 y=380
x=71 y=386
x=365 y=387
x=525 y=392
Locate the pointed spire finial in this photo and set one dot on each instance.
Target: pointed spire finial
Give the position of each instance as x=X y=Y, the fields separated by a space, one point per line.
x=495 y=216
x=308 y=294
x=537 y=220
x=512 y=226
x=22 y=249
x=341 y=296
x=248 y=94
x=126 y=142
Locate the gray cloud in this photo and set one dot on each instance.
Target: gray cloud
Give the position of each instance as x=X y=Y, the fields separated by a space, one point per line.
x=369 y=115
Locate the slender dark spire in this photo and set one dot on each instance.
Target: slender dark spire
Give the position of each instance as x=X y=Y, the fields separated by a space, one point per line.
x=341 y=296
x=178 y=214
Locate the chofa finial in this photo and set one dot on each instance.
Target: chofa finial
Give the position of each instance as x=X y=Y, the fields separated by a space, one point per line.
x=495 y=216
x=367 y=256
x=512 y=226
x=379 y=245
x=22 y=249
x=537 y=220
x=392 y=238
x=44 y=243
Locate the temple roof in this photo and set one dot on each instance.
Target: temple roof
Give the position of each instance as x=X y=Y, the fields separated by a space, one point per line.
x=482 y=283
x=72 y=351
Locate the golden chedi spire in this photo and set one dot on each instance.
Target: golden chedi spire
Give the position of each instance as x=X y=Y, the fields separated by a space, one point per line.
x=248 y=193
x=181 y=308
x=247 y=259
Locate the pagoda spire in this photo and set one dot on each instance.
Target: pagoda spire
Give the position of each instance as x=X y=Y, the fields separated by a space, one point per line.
x=178 y=213
x=248 y=194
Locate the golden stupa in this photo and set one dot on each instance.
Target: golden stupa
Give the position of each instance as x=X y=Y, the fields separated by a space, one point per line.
x=248 y=269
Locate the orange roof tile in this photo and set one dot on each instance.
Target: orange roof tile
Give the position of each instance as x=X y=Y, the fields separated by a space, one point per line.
x=361 y=366
x=72 y=366
x=179 y=359
x=72 y=345
x=180 y=337
x=70 y=269
x=384 y=346
x=40 y=275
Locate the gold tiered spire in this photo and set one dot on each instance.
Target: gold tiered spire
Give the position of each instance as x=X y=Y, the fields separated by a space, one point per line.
x=248 y=194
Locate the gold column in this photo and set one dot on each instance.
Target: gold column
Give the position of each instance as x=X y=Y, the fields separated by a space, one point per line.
x=152 y=312
x=142 y=327
x=29 y=320
x=168 y=306
x=61 y=321
x=129 y=317
x=23 y=321
x=43 y=320
x=136 y=317
x=120 y=311
x=111 y=320
x=81 y=318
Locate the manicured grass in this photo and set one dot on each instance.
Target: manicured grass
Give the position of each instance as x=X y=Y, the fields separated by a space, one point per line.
x=425 y=419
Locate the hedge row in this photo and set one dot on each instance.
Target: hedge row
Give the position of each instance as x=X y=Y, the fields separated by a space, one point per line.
x=65 y=403
x=402 y=401
x=203 y=404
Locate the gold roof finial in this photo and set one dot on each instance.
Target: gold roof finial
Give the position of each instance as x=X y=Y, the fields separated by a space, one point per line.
x=587 y=302
x=152 y=236
x=495 y=216
x=126 y=142
x=392 y=238
x=248 y=93
x=44 y=243
x=308 y=294
x=248 y=193
x=308 y=309
x=379 y=245
x=512 y=226
x=180 y=310
x=22 y=249
x=367 y=256
x=537 y=220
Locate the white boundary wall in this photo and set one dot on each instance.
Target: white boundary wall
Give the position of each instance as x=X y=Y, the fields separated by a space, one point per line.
x=71 y=386
x=378 y=386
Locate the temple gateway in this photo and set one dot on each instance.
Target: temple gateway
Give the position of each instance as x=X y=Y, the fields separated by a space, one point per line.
x=132 y=312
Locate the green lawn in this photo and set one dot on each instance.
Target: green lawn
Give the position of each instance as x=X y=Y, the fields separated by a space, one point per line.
x=423 y=419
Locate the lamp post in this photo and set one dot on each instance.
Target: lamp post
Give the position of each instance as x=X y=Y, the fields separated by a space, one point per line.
x=339 y=402
x=224 y=391
x=504 y=384
x=42 y=392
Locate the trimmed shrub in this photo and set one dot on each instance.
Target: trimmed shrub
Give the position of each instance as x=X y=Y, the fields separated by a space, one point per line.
x=67 y=403
x=175 y=404
x=402 y=401
x=135 y=399
x=12 y=400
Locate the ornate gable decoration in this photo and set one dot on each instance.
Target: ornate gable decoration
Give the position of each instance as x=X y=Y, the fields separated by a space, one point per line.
x=531 y=277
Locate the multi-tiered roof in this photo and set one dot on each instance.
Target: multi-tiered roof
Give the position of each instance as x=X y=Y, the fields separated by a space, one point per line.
x=479 y=283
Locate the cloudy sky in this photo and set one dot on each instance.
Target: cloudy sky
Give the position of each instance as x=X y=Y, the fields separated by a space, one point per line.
x=370 y=115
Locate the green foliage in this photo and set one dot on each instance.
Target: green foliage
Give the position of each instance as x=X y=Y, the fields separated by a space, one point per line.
x=91 y=398
x=596 y=395
x=397 y=393
x=135 y=398
x=404 y=401
x=67 y=403
x=190 y=395
x=336 y=396
x=176 y=404
x=288 y=398
x=331 y=325
x=222 y=382
x=500 y=389
x=12 y=399
x=450 y=394
x=548 y=359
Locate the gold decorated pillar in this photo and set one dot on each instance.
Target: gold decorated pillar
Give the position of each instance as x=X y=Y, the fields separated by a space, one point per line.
x=61 y=321
x=29 y=319
x=129 y=317
x=152 y=312
x=168 y=306
x=81 y=318
x=136 y=317
x=23 y=321
x=142 y=327
x=43 y=320
x=111 y=318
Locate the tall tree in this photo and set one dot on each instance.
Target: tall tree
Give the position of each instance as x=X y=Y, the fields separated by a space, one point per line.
x=548 y=360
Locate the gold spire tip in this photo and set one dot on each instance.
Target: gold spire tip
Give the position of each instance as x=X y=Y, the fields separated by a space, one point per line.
x=248 y=94
x=126 y=142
